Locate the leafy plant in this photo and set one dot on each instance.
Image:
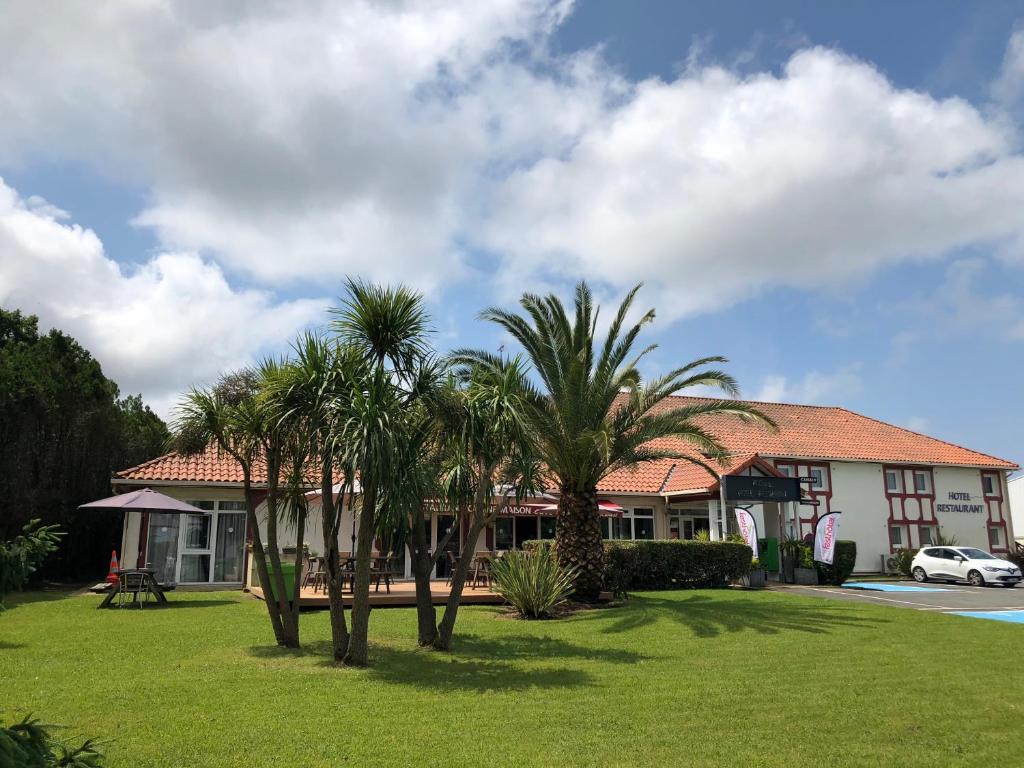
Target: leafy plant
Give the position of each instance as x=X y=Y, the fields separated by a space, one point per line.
x=702 y=535
x=941 y=540
x=533 y=582
x=901 y=560
x=22 y=556
x=30 y=744
x=842 y=565
x=755 y=564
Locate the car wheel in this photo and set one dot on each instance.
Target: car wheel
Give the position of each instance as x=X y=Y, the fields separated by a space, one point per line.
x=975 y=579
x=1011 y=585
x=919 y=575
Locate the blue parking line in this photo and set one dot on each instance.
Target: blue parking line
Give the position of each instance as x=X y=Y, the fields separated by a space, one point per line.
x=1014 y=617
x=878 y=587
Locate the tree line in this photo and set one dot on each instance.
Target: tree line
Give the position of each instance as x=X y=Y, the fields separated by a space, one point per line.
x=64 y=429
x=367 y=402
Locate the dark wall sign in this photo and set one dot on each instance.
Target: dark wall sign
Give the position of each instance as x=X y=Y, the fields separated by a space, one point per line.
x=747 y=488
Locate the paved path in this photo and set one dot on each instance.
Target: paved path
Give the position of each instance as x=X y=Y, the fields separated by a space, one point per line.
x=947 y=597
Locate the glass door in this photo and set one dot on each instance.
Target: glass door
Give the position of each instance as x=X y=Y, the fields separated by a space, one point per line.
x=195 y=550
x=227 y=564
x=444 y=524
x=162 y=546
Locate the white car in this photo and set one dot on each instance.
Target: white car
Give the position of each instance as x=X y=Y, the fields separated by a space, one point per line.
x=975 y=566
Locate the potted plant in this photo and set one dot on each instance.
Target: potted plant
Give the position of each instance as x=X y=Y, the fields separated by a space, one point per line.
x=805 y=573
x=756 y=578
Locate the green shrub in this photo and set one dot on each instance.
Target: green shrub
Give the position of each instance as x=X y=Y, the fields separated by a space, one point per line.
x=631 y=565
x=22 y=556
x=539 y=545
x=901 y=560
x=842 y=564
x=532 y=581
x=30 y=744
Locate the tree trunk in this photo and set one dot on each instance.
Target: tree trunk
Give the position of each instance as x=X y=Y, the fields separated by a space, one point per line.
x=578 y=541
x=329 y=525
x=422 y=567
x=443 y=641
x=260 y=556
x=289 y=621
x=358 y=644
x=300 y=556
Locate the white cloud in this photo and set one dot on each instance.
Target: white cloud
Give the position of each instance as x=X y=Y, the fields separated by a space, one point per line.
x=172 y=322
x=714 y=187
x=307 y=141
x=814 y=388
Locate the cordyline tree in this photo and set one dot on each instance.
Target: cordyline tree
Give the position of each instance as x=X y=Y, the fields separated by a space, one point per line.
x=239 y=416
x=386 y=328
x=594 y=414
x=487 y=459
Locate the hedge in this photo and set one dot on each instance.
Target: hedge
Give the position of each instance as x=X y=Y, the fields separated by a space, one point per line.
x=675 y=564
x=842 y=564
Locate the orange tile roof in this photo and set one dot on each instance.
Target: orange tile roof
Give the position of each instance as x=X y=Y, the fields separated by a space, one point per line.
x=210 y=466
x=805 y=431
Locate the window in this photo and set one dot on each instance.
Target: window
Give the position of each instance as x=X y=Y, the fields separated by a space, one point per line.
x=231 y=506
x=785 y=469
x=503 y=533
x=643 y=523
x=932 y=553
x=988 y=485
x=547 y=527
x=207 y=505
x=995 y=537
x=922 y=482
x=896 y=535
x=893 y=481
x=926 y=535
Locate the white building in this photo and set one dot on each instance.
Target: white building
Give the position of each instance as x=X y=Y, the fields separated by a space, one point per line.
x=895 y=489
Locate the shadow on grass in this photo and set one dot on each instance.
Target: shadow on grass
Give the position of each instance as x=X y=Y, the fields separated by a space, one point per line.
x=6 y=646
x=171 y=604
x=706 y=616
x=15 y=599
x=476 y=664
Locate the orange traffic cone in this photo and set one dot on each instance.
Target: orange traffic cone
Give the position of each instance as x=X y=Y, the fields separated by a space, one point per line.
x=114 y=567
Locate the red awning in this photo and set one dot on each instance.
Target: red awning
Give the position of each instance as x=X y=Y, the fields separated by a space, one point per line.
x=604 y=507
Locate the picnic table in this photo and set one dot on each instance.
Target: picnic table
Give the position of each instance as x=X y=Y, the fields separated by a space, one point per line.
x=146 y=583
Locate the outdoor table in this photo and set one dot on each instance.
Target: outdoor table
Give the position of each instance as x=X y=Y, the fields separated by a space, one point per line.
x=481 y=570
x=149 y=578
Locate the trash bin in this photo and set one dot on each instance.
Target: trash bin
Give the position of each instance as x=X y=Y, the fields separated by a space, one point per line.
x=288 y=572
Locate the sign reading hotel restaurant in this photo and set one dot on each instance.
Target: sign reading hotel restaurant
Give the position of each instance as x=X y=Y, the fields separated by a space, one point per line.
x=959 y=496
x=749 y=488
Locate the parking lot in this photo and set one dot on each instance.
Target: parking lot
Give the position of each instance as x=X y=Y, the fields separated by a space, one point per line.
x=943 y=598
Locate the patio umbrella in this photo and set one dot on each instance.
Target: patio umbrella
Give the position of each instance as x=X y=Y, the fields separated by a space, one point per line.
x=146 y=500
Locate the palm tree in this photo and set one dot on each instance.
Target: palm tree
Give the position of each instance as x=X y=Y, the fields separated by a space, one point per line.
x=235 y=416
x=487 y=459
x=594 y=413
x=387 y=327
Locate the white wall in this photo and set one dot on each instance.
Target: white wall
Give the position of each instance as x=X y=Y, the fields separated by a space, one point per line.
x=1015 y=489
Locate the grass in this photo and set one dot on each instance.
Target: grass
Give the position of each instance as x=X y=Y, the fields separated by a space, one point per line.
x=711 y=678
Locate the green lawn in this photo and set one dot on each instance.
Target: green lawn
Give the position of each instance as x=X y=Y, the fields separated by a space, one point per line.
x=671 y=678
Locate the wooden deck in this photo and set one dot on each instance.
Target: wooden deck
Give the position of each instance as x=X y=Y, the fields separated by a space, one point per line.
x=403 y=593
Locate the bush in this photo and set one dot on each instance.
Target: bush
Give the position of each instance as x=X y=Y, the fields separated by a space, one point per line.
x=631 y=565
x=842 y=564
x=901 y=560
x=539 y=545
x=20 y=557
x=532 y=581
x=29 y=743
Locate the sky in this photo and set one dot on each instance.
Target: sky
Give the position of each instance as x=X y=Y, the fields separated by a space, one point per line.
x=829 y=194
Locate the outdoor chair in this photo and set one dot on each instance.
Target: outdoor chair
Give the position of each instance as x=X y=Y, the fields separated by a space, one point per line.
x=132 y=586
x=383 y=569
x=316 y=575
x=453 y=561
x=481 y=573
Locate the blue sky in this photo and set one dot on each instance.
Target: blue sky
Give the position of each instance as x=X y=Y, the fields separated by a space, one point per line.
x=826 y=193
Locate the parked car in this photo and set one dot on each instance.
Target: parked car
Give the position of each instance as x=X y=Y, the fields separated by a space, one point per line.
x=975 y=566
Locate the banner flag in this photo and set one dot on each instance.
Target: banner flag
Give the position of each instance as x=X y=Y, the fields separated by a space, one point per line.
x=826 y=531
x=748 y=528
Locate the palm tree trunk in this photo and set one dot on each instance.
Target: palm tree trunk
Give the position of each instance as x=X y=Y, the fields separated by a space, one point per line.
x=422 y=567
x=289 y=623
x=578 y=541
x=358 y=645
x=451 y=608
x=260 y=556
x=329 y=525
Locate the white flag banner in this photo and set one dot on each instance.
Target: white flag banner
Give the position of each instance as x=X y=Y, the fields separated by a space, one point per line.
x=825 y=534
x=748 y=528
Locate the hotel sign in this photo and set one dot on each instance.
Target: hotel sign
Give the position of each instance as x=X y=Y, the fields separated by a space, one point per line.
x=748 y=488
x=957 y=498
